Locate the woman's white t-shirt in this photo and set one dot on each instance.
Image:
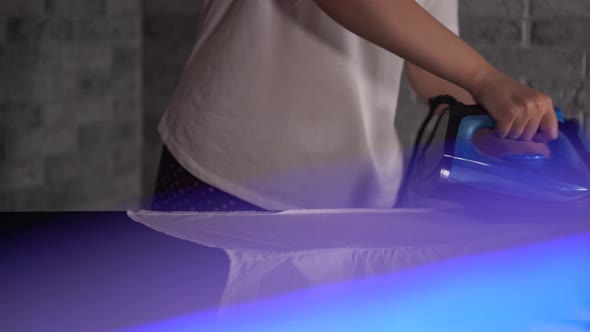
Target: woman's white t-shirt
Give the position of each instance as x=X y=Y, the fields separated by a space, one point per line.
x=282 y=107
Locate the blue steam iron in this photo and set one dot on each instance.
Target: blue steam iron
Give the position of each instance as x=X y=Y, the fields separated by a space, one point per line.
x=457 y=165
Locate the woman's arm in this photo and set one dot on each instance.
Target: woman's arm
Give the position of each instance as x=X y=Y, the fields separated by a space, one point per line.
x=427 y=85
x=406 y=29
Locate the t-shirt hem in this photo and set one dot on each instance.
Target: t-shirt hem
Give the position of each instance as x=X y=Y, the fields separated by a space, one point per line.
x=197 y=170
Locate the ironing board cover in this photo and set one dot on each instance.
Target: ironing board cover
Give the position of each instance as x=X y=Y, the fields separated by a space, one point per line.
x=277 y=253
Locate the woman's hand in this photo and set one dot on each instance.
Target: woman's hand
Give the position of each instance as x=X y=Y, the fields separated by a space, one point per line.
x=520 y=111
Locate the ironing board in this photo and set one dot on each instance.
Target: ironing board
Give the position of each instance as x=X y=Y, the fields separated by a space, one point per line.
x=417 y=270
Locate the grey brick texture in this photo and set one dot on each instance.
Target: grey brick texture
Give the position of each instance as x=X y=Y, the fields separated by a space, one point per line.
x=70 y=104
x=564 y=9
x=492 y=8
x=80 y=8
x=493 y=31
x=567 y=33
x=23 y=7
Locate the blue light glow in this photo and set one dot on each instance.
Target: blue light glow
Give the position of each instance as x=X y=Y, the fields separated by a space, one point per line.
x=511 y=290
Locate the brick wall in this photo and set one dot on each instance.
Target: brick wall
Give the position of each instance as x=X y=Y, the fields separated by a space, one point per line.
x=545 y=43
x=70 y=105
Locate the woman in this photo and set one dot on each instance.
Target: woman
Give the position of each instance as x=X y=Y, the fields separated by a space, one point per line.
x=290 y=104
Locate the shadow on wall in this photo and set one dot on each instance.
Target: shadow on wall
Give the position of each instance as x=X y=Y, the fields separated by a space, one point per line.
x=170 y=30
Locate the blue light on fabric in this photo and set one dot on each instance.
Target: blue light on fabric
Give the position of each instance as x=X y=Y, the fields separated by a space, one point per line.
x=510 y=290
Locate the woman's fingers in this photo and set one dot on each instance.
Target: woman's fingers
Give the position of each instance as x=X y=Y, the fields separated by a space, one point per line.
x=548 y=126
x=518 y=126
x=531 y=129
x=502 y=127
x=536 y=109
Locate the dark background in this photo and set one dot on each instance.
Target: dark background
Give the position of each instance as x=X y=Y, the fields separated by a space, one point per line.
x=84 y=82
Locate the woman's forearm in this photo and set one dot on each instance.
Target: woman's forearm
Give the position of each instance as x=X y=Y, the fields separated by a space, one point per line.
x=406 y=29
x=427 y=85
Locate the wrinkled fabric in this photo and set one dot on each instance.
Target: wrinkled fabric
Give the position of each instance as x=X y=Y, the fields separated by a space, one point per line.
x=274 y=255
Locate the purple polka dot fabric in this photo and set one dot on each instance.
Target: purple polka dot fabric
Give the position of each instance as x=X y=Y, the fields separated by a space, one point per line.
x=178 y=190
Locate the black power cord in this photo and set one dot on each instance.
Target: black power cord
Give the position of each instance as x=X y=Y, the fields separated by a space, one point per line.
x=405 y=198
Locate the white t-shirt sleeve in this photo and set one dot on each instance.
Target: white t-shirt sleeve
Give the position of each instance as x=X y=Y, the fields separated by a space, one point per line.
x=446 y=12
